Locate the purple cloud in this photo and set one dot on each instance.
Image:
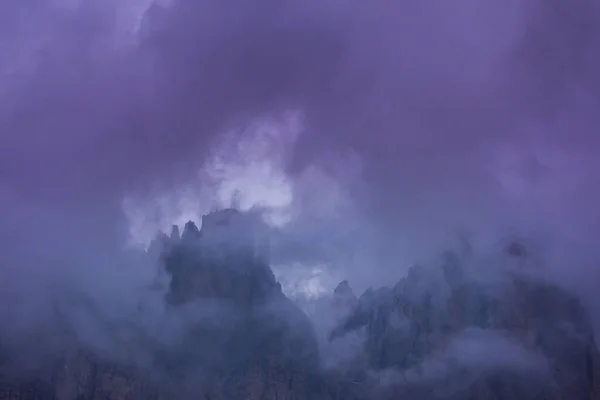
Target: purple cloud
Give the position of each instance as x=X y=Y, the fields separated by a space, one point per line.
x=474 y=114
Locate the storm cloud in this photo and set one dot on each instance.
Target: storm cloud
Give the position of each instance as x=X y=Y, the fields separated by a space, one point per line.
x=413 y=118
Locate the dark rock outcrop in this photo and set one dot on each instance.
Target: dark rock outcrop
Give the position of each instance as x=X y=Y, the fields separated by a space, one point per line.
x=264 y=346
x=344 y=298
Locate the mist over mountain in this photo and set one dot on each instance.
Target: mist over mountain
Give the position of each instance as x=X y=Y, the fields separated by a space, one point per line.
x=216 y=323
x=366 y=138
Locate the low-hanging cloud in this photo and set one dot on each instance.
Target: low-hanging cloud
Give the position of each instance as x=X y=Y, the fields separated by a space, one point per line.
x=414 y=118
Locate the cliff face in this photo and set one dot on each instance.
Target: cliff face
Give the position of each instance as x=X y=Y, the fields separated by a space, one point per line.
x=449 y=331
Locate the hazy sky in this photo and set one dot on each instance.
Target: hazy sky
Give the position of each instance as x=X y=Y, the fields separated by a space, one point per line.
x=373 y=129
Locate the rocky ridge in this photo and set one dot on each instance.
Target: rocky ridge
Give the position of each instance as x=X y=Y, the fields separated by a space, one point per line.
x=454 y=332
x=448 y=331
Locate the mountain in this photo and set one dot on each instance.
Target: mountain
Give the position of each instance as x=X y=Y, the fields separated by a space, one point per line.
x=265 y=347
x=242 y=337
x=460 y=331
x=454 y=330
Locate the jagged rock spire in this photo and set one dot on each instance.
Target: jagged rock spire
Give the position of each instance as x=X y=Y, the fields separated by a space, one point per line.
x=344 y=298
x=343 y=289
x=190 y=231
x=175 y=236
x=158 y=245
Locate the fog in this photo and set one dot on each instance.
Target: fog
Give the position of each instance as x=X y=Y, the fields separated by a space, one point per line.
x=369 y=134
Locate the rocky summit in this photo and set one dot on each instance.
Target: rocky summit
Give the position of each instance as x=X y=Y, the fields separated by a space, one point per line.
x=454 y=330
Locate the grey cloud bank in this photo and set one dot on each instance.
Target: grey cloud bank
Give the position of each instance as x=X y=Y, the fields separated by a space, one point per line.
x=480 y=115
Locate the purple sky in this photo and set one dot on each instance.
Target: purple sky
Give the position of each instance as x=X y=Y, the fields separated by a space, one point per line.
x=464 y=114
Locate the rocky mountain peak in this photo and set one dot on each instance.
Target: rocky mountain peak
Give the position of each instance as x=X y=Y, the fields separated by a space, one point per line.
x=343 y=289
x=448 y=331
x=175 y=236
x=415 y=330
x=190 y=232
